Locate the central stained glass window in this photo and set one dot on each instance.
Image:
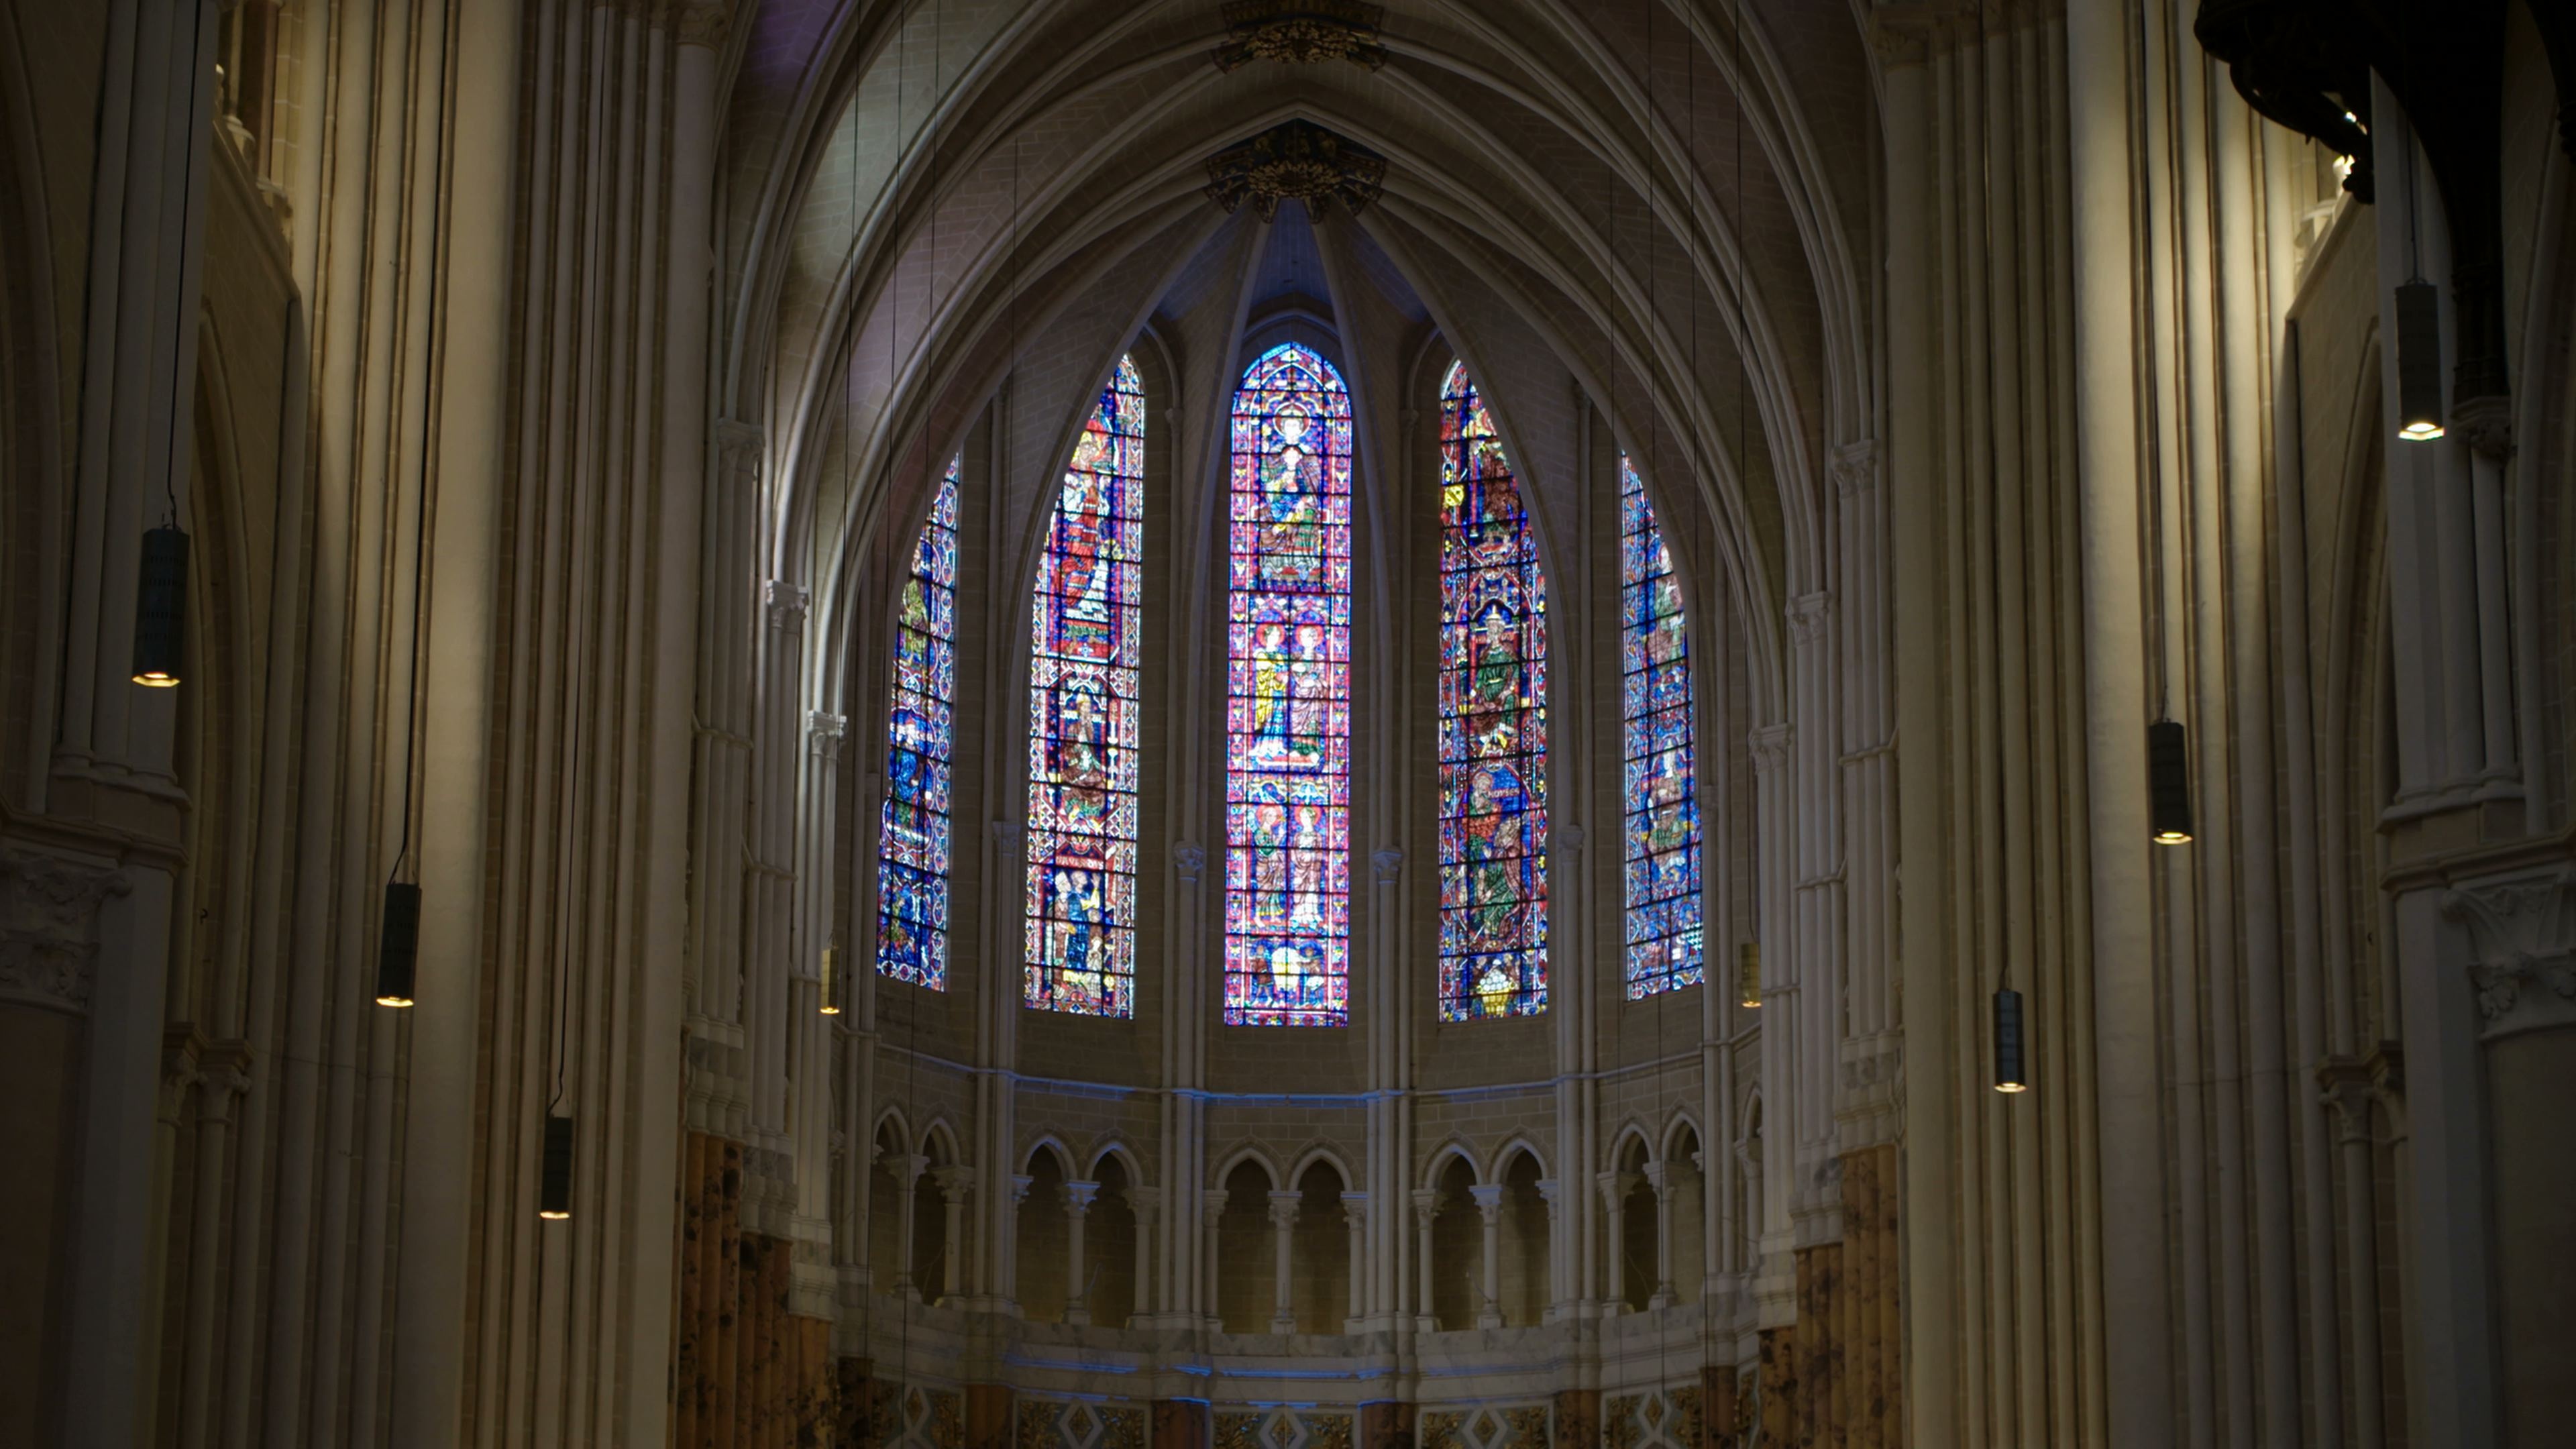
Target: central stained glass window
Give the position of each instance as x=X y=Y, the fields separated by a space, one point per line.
x=912 y=830
x=1085 y=658
x=1288 y=697
x=1663 y=833
x=1493 y=724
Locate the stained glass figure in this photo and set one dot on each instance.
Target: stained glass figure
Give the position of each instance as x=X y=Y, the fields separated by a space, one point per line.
x=1493 y=724
x=1288 y=696
x=1662 y=798
x=1085 y=658
x=912 y=829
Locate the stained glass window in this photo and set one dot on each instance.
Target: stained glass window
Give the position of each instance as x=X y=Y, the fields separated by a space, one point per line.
x=1662 y=802
x=1288 y=697
x=1085 y=653
x=912 y=829
x=1493 y=724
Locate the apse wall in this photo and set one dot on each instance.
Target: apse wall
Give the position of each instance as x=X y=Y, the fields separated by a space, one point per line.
x=1590 y=1159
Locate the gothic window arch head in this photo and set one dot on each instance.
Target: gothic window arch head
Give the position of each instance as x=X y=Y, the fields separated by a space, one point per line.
x=1493 y=724
x=1086 y=656
x=1288 y=695
x=913 y=826
x=1660 y=795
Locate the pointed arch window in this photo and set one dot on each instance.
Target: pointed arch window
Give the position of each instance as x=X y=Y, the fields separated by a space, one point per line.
x=912 y=828
x=1085 y=667
x=1661 y=797
x=1493 y=724
x=1288 y=696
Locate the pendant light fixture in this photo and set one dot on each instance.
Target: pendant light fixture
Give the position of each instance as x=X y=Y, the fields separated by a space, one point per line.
x=2012 y=1068
x=2010 y=1075
x=1748 y=974
x=2168 y=744
x=398 y=938
x=161 y=600
x=398 y=947
x=831 y=981
x=554 y=1185
x=161 y=580
x=2168 y=783
x=2419 y=326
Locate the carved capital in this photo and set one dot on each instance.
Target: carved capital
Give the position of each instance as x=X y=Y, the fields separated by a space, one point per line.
x=1488 y=1197
x=956 y=1180
x=2524 y=935
x=1770 y=745
x=49 y=928
x=703 y=22
x=1570 y=838
x=2486 y=424
x=826 y=731
x=1009 y=833
x=1189 y=860
x=1388 y=864
x=1355 y=1210
x=1284 y=1203
x=1296 y=161
x=1079 y=1196
x=1854 y=467
x=1212 y=1206
x=1301 y=32
x=786 y=604
x=1426 y=1205
x=1811 y=616
x=738 y=452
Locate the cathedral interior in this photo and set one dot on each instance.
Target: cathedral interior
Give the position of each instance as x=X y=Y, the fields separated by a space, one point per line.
x=1288 y=724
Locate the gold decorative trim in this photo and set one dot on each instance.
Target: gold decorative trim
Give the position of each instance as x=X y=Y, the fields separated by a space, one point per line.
x=1301 y=32
x=1300 y=161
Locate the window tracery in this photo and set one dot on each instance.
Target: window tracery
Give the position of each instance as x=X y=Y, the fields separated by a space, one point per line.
x=1288 y=696
x=1493 y=724
x=1085 y=669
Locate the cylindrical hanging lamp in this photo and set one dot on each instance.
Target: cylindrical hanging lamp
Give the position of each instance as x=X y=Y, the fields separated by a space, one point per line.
x=2419 y=361
x=161 y=608
x=2168 y=783
x=831 y=981
x=1748 y=974
x=398 y=951
x=554 y=1189
x=2012 y=1072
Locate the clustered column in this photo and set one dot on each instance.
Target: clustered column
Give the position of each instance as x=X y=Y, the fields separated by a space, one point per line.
x=1283 y=1225
x=1355 y=1216
x=1426 y=1211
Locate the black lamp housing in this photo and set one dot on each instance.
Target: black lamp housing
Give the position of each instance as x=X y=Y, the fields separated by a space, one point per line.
x=2012 y=1071
x=398 y=952
x=161 y=608
x=2168 y=782
x=2419 y=361
x=554 y=1191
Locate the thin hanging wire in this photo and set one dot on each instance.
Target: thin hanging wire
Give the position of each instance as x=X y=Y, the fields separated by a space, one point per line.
x=2149 y=386
x=187 y=199
x=1994 y=441
x=420 y=501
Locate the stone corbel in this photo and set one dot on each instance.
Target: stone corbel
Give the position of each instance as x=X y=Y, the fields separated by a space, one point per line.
x=2523 y=933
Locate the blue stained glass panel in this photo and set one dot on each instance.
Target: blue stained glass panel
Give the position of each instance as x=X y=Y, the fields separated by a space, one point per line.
x=1086 y=654
x=1493 y=724
x=1660 y=790
x=912 y=826
x=1288 y=695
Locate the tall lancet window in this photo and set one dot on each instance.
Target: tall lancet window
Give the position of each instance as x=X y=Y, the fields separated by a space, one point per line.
x=1662 y=801
x=912 y=830
x=1493 y=724
x=1288 y=697
x=1085 y=658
